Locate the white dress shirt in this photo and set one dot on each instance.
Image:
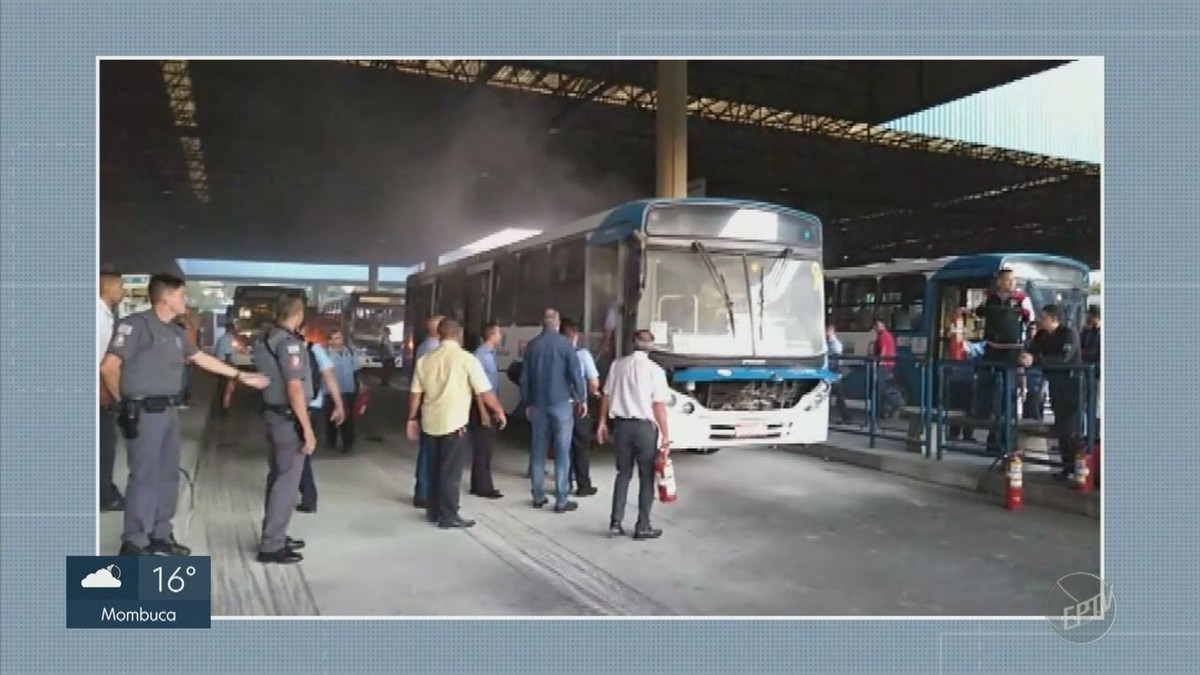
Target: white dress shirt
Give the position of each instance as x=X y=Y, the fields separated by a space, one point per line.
x=104 y=329
x=634 y=384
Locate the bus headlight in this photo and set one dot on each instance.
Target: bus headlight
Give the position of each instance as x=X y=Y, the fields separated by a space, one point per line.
x=672 y=401
x=688 y=408
x=816 y=397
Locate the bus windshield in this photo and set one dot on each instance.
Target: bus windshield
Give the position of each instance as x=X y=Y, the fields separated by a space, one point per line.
x=254 y=318
x=750 y=304
x=367 y=323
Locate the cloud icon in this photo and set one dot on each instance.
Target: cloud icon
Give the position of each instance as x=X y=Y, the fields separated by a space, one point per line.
x=105 y=577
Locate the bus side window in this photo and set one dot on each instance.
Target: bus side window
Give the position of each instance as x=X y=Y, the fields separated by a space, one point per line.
x=901 y=301
x=504 y=288
x=450 y=294
x=830 y=291
x=567 y=266
x=531 y=301
x=602 y=287
x=854 y=311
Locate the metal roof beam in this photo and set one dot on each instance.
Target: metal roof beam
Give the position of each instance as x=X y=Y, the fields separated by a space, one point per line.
x=540 y=81
x=178 y=83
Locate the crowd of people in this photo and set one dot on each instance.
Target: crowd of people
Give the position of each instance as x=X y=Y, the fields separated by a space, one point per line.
x=308 y=393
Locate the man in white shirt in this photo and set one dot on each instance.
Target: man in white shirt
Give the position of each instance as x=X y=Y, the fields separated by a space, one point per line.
x=635 y=397
x=112 y=291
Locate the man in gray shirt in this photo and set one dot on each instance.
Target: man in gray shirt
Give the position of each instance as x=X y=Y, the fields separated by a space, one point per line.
x=142 y=371
x=282 y=355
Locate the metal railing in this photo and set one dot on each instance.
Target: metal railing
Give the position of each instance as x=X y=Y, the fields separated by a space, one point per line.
x=943 y=407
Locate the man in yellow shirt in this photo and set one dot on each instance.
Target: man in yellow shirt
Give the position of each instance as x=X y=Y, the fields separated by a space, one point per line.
x=445 y=384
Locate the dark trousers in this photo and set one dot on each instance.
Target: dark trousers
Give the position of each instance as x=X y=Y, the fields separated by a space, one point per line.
x=581 y=453
x=993 y=381
x=839 y=401
x=1068 y=419
x=958 y=399
x=385 y=373
x=308 y=481
x=483 y=446
x=346 y=430
x=634 y=443
x=445 y=474
x=108 y=455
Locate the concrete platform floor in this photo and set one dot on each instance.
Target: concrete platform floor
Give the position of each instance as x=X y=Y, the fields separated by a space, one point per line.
x=755 y=532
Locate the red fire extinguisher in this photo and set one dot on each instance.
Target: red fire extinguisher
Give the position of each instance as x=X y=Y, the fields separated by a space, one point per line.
x=666 y=478
x=360 y=402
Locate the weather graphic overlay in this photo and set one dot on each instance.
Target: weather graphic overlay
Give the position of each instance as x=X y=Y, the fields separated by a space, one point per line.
x=139 y=592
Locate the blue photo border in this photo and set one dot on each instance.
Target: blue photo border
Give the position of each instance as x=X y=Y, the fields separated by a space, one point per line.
x=48 y=206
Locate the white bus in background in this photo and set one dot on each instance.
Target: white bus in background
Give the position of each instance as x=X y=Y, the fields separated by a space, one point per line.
x=137 y=294
x=363 y=316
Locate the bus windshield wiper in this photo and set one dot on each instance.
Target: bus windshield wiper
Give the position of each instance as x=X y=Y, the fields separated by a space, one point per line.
x=719 y=279
x=776 y=270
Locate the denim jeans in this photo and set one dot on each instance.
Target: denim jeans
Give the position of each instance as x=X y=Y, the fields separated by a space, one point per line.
x=555 y=424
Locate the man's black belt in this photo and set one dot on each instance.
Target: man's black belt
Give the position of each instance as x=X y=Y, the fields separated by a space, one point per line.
x=281 y=409
x=631 y=419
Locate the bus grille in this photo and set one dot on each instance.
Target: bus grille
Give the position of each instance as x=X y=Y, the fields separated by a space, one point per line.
x=749 y=396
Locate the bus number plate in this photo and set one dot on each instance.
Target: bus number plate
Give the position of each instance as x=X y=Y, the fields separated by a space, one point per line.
x=750 y=430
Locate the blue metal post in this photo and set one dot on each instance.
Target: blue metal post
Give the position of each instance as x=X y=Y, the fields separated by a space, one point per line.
x=872 y=385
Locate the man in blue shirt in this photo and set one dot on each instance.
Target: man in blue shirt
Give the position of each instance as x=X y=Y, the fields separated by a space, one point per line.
x=320 y=422
x=833 y=354
x=223 y=350
x=581 y=437
x=550 y=381
x=430 y=343
x=483 y=427
x=345 y=373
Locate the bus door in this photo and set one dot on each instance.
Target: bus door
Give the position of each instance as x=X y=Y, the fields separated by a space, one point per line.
x=476 y=309
x=901 y=306
x=955 y=299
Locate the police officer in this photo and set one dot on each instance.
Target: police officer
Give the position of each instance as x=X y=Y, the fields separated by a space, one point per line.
x=1007 y=314
x=1056 y=350
x=282 y=355
x=143 y=370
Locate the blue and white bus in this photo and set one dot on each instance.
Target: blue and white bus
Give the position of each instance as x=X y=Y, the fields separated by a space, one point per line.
x=918 y=299
x=733 y=292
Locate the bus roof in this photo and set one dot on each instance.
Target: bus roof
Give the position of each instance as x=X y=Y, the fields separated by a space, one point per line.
x=629 y=212
x=987 y=263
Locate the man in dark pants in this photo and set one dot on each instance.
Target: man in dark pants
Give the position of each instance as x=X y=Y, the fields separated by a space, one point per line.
x=1007 y=313
x=1056 y=349
x=345 y=375
x=281 y=355
x=635 y=396
x=483 y=427
x=142 y=370
x=445 y=383
x=112 y=290
x=581 y=435
x=324 y=418
x=550 y=383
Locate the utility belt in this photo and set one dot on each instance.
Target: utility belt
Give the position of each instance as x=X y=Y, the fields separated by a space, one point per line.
x=285 y=411
x=130 y=410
